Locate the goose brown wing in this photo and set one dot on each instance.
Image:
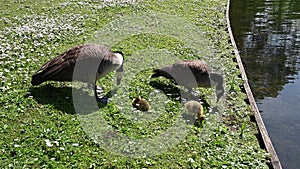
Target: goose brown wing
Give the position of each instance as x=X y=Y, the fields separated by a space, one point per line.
x=196 y=65
x=183 y=68
x=192 y=73
x=62 y=68
x=63 y=63
x=201 y=72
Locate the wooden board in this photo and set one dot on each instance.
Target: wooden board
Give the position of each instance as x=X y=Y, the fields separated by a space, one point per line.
x=259 y=121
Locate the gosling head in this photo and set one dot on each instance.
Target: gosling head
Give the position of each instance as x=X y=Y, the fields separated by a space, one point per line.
x=141 y=104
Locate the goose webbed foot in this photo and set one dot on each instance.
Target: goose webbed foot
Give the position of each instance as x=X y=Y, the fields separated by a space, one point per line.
x=103 y=99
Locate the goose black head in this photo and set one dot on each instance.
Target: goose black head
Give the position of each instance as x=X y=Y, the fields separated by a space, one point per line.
x=119 y=71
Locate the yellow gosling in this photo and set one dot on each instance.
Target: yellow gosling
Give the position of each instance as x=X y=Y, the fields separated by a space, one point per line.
x=195 y=108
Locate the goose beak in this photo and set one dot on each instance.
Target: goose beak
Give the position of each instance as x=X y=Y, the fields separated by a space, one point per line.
x=219 y=94
x=119 y=74
x=218 y=81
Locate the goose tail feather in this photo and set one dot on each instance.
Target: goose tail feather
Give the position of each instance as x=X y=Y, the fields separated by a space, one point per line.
x=37 y=78
x=159 y=72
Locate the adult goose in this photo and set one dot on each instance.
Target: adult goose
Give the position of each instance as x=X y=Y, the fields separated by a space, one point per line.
x=85 y=63
x=192 y=74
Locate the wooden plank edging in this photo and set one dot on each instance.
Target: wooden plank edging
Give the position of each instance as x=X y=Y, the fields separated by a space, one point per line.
x=261 y=126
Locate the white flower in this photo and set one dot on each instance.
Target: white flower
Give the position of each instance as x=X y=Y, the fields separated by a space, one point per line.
x=191 y=160
x=75 y=144
x=48 y=143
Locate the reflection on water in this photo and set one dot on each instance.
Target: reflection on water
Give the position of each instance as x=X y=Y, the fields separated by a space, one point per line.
x=267 y=33
x=281 y=116
x=268 y=37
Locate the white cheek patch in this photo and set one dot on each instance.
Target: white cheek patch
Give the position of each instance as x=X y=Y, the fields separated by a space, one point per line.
x=119 y=59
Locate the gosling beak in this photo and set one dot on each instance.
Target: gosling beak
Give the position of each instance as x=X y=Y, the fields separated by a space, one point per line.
x=119 y=74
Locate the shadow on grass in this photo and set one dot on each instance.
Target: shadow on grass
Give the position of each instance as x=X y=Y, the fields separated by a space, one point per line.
x=174 y=93
x=171 y=91
x=61 y=98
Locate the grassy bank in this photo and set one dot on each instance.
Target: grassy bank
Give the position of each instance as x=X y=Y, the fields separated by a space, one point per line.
x=40 y=127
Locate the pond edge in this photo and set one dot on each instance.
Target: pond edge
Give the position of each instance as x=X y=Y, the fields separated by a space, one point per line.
x=259 y=121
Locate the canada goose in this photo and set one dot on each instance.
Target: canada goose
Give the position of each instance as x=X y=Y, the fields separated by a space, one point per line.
x=85 y=63
x=195 y=108
x=192 y=74
x=141 y=104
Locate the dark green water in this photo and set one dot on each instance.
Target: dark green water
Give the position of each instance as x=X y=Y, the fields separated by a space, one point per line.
x=267 y=33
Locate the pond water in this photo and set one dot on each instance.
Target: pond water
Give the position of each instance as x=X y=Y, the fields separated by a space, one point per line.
x=267 y=33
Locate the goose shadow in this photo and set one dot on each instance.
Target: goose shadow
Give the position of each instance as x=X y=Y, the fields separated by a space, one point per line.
x=61 y=98
x=173 y=92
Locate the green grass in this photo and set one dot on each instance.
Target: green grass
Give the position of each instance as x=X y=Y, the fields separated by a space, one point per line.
x=40 y=127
